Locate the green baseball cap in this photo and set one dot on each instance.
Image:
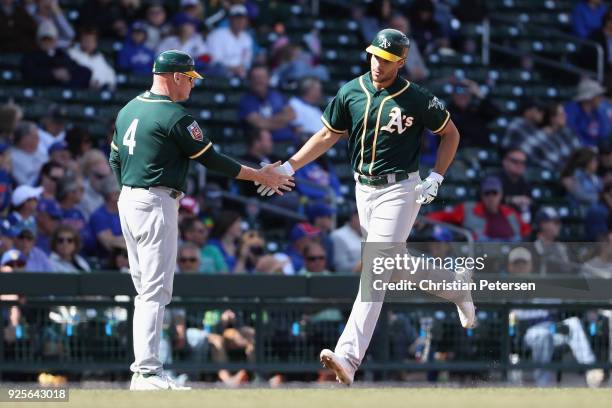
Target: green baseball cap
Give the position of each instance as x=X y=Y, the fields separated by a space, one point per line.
x=390 y=44
x=175 y=61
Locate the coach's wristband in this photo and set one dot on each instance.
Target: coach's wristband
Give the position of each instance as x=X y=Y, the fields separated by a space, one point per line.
x=288 y=168
x=437 y=177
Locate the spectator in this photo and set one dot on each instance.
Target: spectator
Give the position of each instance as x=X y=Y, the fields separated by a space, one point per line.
x=587 y=17
x=425 y=30
x=48 y=216
x=15 y=260
x=118 y=260
x=156 y=25
x=59 y=69
x=579 y=177
x=526 y=126
x=321 y=216
x=50 y=174
x=10 y=116
x=5 y=178
x=488 y=219
x=7 y=235
x=587 y=57
x=187 y=39
x=300 y=235
x=211 y=259
x=415 y=68
x=265 y=108
x=347 y=245
x=53 y=126
x=601 y=265
x=552 y=255
x=260 y=148
x=307 y=107
x=225 y=236
x=599 y=216
x=520 y=262
x=376 y=15
x=79 y=141
x=188 y=259
x=69 y=195
x=106 y=16
x=251 y=248
x=517 y=191
x=471 y=111
x=24 y=201
x=86 y=54
x=65 y=247
x=192 y=9
x=18 y=28
x=323 y=183
x=37 y=260
x=49 y=12
x=586 y=114
x=605 y=160
x=136 y=56
x=315 y=259
x=232 y=47
x=296 y=63
x=27 y=155
x=555 y=143
x=104 y=222
x=95 y=170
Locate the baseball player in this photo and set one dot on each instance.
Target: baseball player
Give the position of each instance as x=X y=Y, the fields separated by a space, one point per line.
x=384 y=117
x=155 y=139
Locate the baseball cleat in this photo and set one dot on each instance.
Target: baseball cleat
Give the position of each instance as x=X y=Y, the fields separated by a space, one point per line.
x=339 y=365
x=154 y=382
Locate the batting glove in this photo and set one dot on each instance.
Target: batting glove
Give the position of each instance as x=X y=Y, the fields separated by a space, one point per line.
x=284 y=168
x=427 y=189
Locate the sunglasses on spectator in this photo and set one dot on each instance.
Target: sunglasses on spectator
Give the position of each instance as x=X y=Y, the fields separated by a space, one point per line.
x=194 y=259
x=16 y=264
x=514 y=160
x=315 y=258
x=62 y=240
x=489 y=193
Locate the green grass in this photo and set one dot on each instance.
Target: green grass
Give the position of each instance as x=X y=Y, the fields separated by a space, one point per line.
x=341 y=397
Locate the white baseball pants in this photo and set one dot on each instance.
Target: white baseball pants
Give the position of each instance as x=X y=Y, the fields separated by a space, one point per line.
x=386 y=214
x=149 y=221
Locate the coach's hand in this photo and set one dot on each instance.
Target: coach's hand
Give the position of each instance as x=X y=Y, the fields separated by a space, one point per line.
x=427 y=189
x=274 y=179
x=284 y=169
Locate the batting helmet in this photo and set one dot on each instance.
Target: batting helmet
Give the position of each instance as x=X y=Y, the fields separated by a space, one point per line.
x=390 y=44
x=175 y=61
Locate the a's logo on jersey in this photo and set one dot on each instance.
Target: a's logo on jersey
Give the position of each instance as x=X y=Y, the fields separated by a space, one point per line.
x=398 y=121
x=195 y=131
x=383 y=42
x=435 y=103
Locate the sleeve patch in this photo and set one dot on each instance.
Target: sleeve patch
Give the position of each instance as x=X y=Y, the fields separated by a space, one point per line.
x=195 y=131
x=435 y=103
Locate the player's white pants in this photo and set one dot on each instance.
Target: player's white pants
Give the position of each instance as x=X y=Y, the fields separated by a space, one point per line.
x=149 y=221
x=386 y=214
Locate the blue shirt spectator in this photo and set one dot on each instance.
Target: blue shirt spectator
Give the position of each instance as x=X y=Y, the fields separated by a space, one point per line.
x=300 y=236
x=587 y=17
x=135 y=56
x=598 y=217
x=104 y=222
x=265 y=108
x=47 y=218
x=37 y=260
x=586 y=114
x=316 y=174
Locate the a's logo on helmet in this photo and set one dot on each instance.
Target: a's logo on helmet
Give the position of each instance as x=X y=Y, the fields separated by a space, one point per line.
x=383 y=42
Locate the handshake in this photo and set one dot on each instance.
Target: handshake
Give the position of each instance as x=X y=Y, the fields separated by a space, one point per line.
x=274 y=178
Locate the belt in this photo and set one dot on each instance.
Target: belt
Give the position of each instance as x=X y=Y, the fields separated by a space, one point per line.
x=171 y=192
x=382 y=180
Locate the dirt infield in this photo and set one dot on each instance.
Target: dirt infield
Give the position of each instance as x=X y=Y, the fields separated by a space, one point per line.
x=339 y=397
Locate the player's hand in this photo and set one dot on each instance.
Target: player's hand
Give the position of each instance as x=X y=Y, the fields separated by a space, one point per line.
x=427 y=189
x=274 y=178
x=284 y=169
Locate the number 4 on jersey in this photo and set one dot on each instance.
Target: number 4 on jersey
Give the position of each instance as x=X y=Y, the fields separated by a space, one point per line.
x=129 y=139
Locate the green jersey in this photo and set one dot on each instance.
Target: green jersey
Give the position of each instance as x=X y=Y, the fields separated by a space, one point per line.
x=154 y=141
x=386 y=126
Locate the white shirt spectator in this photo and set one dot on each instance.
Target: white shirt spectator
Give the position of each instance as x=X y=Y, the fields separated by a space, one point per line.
x=230 y=50
x=347 y=248
x=47 y=139
x=59 y=265
x=194 y=46
x=26 y=166
x=307 y=116
x=102 y=74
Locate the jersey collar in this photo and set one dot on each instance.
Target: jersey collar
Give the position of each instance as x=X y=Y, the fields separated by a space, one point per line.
x=396 y=86
x=155 y=97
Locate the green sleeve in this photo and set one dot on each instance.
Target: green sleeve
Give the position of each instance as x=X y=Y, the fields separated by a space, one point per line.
x=435 y=115
x=197 y=146
x=336 y=116
x=114 y=159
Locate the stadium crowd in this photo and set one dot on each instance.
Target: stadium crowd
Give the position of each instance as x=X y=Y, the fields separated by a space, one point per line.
x=58 y=198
